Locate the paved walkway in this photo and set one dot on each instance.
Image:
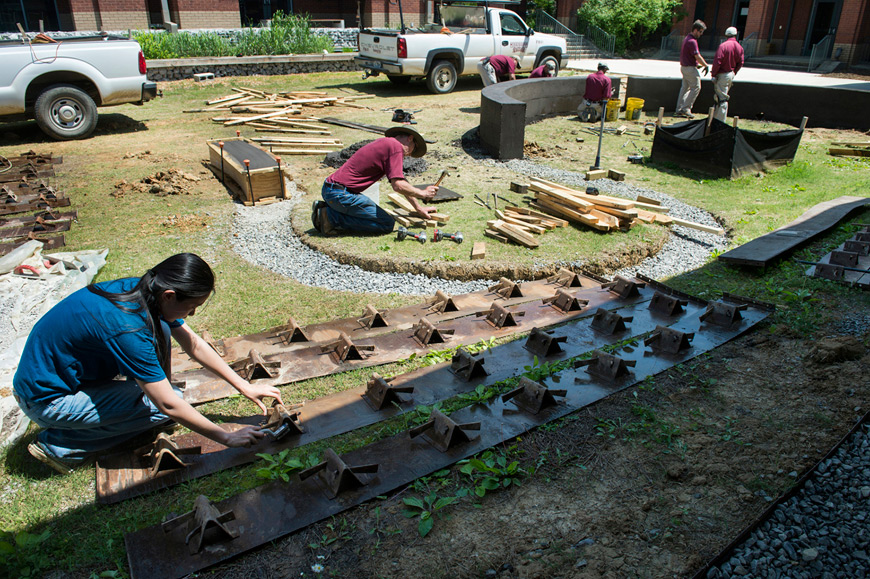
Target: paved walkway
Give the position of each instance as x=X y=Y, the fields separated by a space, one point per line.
x=671 y=69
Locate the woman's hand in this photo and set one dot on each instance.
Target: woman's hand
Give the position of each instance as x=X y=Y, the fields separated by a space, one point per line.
x=257 y=392
x=245 y=436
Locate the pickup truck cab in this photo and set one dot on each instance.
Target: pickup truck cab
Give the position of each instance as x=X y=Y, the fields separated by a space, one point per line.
x=61 y=84
x=441 y=53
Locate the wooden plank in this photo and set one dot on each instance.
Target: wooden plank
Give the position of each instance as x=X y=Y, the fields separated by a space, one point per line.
x=648 y=200
x=606 y=200
x=401 y=201
x=651 y=207
x=595 y=174
x=605 y=218
x=615 y=175
x=622 y=214
x=814 y=222
x=266 y=116
x=525 y=211
x=519 y=223
x=496 y=235
x=478 y=251
x=564 y=198
x=698 y=226
x=513 y=234
x=517 y=187
x=847 y=152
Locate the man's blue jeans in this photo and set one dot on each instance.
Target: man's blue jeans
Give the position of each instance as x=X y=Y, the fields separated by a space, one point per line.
x=97 y=417
x=354 y=211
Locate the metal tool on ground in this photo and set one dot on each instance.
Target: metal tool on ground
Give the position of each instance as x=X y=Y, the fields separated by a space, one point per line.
x=403 y=116
x=476 y=196
x=597 y=164
x=454 y=237
x=591 y=190
x=402 y=233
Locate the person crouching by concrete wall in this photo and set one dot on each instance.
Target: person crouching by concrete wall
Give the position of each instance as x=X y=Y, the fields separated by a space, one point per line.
x=497 y=68
x=544 y=71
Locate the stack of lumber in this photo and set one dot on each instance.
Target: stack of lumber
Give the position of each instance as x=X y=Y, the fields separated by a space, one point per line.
x=841 y=149
x=603 y=212
x=520 y=225
x=405 y=214
x=298 y=145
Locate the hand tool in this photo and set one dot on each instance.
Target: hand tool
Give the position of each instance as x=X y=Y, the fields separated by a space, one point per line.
x=482 y=201
x=591 y=190
x=402 y=233
x=279 y=432
x=455 y=237
x=597 y=164
x=444 y=173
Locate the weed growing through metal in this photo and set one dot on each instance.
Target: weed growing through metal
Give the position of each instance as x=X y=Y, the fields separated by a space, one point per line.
x=427 y=508
x=481 y=394
x=279 y=466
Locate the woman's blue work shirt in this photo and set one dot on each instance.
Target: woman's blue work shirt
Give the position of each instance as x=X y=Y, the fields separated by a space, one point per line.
x=87 y=338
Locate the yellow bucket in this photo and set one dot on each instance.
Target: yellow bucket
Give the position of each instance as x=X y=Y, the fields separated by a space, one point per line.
x=633 y=107
x=612 y=113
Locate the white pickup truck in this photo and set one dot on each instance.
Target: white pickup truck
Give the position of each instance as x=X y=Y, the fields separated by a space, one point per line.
x=61 y=84
x=441 y=53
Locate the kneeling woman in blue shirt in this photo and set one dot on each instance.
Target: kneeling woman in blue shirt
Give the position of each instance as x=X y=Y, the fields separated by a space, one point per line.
x=95 y=370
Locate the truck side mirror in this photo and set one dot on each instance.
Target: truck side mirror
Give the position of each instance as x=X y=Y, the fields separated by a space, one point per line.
x=530 y=31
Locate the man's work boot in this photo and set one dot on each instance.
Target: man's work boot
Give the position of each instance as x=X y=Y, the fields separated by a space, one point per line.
x=325 y=226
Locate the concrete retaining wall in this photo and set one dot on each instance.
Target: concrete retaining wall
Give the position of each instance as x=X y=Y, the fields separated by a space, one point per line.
x=834 y=108
x=507 y=106
x=181 y=68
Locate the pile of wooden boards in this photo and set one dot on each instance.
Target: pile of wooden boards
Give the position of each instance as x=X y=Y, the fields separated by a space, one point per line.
x=845 y=149
x=603 y=212
x=405 y=214
x=520 y=225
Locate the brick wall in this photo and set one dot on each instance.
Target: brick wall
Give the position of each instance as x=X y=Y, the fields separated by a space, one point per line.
x=208 y=19
x=852 y=16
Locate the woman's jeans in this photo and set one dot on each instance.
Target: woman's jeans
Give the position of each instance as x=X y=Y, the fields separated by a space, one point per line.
x=354 y=211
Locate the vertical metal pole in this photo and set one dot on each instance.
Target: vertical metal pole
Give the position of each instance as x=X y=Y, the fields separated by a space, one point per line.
x=250 y=187
x=600 y=136
x=221 y=144
x=281 y=178
x=24 y=16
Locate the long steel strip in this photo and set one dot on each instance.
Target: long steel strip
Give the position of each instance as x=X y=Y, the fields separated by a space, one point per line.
x=276 y=509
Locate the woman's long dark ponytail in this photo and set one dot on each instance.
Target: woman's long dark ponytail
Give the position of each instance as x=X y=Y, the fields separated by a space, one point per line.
x=187 y=274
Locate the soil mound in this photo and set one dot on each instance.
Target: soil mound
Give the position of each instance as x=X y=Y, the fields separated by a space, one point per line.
x=411 y=166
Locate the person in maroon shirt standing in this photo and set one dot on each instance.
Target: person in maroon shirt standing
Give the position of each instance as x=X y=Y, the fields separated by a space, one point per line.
x=598 y=90
x=497 y=68
x=345 y=208
x=726 y=64
x=544 y=71
x=691 y=62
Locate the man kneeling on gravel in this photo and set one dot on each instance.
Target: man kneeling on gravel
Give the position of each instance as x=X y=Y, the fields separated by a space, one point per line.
x=346 y=209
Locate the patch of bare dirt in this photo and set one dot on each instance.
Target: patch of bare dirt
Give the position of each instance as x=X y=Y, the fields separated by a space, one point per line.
x=162 y=183
x=186 y=223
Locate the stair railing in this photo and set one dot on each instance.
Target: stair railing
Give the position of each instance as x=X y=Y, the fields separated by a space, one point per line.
x=820 y=52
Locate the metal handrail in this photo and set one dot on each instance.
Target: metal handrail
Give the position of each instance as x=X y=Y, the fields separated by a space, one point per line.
x=749 y=44
x=549 y=25
x=820 y=52
x=669 y=43
x=603 y=41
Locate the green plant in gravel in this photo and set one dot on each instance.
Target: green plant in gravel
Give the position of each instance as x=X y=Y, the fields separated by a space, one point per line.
x=427 y=508
x=493 y=470
x=22 y=554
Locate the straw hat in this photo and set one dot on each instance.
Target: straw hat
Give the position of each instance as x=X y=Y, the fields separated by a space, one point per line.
x=419 y=143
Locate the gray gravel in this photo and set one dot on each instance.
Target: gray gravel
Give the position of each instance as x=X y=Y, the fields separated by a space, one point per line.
x=822 y=531
x=263 y=236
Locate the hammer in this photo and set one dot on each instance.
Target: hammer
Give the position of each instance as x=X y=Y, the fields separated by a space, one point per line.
x=444 y=173
x=402 y=233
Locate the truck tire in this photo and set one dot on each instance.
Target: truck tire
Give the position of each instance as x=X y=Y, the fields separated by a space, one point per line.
x=65 y=112
x=552 y=59
x=398 y=80
x=442 y=77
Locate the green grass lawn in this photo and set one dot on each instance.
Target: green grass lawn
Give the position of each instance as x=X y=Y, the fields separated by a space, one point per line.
x=137 y=229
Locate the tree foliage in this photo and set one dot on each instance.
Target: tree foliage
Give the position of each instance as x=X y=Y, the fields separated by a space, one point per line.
x=631 y=21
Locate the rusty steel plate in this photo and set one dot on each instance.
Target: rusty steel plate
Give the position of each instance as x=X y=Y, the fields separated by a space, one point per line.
x=273 y=510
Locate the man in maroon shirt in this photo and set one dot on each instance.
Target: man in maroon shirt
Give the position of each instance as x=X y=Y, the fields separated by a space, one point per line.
x=497 y=68
x=726 y=64
x=345 y=208
x=690 y=63
x=598 y=91
x=544 y=71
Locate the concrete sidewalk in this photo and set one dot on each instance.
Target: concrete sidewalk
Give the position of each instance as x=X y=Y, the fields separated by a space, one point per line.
x=671 y=69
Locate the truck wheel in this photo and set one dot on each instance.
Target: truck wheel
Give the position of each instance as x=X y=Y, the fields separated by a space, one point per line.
x=399 y=80
x=555 y=62
x=65 y=112
x=442 y=77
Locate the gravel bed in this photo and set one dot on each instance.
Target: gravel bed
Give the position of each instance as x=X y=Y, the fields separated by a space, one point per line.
x=823 y=531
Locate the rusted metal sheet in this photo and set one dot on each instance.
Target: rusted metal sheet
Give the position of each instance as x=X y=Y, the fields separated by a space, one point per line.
x=47 y=243
x=276 y=509
x=45 y=216
x=39 y=228
x=123 y=476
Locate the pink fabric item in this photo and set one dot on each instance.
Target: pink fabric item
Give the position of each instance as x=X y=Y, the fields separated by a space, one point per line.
x=504 y=66
x=688 y=51
x=382 y=157
x=540 y=72
x=729 y=57
x=597 y=87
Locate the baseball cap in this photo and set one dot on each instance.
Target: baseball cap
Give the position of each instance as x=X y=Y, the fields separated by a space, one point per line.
x=603 y=66
x=730 y=31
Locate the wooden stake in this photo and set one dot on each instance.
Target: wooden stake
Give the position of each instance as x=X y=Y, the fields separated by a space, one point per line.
x=661 y=114
x=709 y=121
x=804 y=122
x=736 y=120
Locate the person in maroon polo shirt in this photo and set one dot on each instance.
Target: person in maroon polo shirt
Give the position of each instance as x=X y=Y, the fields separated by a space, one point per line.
x=345 y=208
x=691 y=62
x=598 y=91
x=544 y=71
x=497 y=68
x=726 y=64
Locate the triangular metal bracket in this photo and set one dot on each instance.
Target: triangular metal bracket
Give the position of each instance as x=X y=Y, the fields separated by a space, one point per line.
x=543 y=343
x=532 y=396
x=668 y=305
x=565 y=302
x=608 y=322
x=722 y=313
x=467 y=366
x=282 y=421
x=344 y=349
x=443 y=432
x=669 y=340
x=254 y=367
x=565 y=278
x=442 y=303
x=499 y=316
x=163 y=453
x=847 y=258
x=381 y=394
x=859 y=247
x=336 y=476
x=293 y=333
x=606 y=366
x=372 y=318
x=624 y=287
x=426 y=333
x=507 y=288
x=205 y=523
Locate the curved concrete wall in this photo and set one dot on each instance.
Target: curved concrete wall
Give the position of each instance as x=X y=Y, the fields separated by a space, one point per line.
x=505 y=107
x=833 y=108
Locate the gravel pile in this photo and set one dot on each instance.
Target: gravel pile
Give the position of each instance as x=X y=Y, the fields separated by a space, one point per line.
x=823 y=531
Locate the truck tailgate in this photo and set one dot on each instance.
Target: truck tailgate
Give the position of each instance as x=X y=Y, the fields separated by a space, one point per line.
x=378 y=45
